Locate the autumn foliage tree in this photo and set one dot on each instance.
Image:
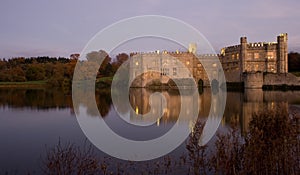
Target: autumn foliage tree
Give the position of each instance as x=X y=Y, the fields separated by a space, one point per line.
x=59 y=71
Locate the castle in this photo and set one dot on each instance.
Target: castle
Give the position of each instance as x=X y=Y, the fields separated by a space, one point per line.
x=163 y=68
x=253 y=57
x=252 y=64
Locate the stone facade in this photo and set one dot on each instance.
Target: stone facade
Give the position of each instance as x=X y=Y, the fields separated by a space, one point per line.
x=253 y=80
x=268 y=57
x=254 y=64
x=258 y=64
x=182 y=67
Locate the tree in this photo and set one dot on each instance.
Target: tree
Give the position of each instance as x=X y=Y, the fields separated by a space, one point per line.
x=95 y=57
x=35 y=72
x=272 y=143
x=294 y=62
x=18 y=74
x=120 y=59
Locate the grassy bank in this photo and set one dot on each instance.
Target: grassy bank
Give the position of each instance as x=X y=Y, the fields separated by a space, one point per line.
x=297 y=74
x=26 y=84
x=101 y=83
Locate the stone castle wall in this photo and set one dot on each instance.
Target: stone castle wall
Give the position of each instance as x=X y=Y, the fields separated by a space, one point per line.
x=281 y=79
x=248 y=61
x=254 y=64
x=253 y=80
x=178 y=66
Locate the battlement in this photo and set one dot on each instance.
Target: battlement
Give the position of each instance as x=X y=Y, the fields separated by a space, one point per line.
x=262 y=45
x=158 y=53
x=232 y=47
x=251 y=46
x=208 y=55
x=175 y=54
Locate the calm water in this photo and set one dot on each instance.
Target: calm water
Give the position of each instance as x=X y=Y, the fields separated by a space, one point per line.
x=32 y=120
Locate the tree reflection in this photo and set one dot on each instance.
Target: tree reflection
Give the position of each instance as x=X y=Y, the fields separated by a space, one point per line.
x=41 y=99
x=104 y=101
x=53 y=98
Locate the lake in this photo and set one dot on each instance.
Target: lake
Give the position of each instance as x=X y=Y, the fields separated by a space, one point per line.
x=34 y=120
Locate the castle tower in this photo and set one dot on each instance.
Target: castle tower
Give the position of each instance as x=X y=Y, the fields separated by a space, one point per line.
x=243 y=54
x=282 y=53
x=193 y=48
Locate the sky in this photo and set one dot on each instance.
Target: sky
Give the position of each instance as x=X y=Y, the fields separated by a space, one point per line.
x=60 y=28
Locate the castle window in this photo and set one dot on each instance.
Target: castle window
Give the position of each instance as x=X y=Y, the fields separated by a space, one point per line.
x=136 y=63
x=237 y=56
x=273 y=70
x=188 y=63
x=214 y=65
x=198 y=65
x=232 y=56
x=256 y=55
x=250 y=55
x=165 y=71
x=174 y=71
x=270 y=55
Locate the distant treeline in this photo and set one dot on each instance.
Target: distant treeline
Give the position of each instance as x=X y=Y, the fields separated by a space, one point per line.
x=55 y=71
x=59 y=71
x=294 y=62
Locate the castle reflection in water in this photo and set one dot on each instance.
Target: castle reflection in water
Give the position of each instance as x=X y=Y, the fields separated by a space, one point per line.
x=239 y=106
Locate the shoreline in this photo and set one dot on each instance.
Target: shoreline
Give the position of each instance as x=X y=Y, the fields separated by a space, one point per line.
x=106 y=84
x=26 y=84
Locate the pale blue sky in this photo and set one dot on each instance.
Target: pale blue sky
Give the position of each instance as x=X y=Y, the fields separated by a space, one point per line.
x=59 y=28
